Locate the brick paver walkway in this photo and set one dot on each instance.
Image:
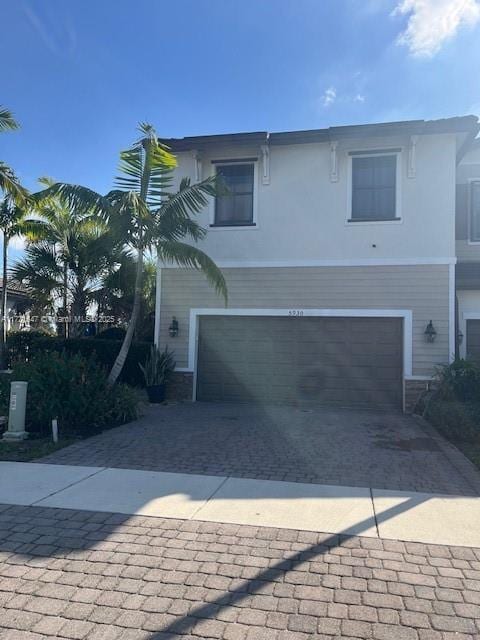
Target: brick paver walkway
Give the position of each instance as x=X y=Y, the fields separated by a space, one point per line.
x=351 y=448
x=97 y=576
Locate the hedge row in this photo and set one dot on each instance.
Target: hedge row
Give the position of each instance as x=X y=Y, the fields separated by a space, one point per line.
x=23 y=346
x=72 y=389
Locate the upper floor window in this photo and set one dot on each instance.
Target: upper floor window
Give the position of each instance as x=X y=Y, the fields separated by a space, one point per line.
x=374 y=188
x=235 y=208
x=475 y=211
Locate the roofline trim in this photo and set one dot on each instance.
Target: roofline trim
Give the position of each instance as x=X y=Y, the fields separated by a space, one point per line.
x=464 y=124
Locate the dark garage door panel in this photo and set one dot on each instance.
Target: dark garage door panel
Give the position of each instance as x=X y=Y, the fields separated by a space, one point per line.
x=343 y=361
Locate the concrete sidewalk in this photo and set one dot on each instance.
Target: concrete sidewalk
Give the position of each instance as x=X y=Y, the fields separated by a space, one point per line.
x=408 y=516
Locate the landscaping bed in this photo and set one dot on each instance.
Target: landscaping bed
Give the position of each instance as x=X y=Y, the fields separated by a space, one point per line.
x=73 y=390
x=30 y=449
x=454 y=407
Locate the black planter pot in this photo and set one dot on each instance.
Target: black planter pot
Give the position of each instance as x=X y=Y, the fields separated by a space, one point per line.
x=156 y=393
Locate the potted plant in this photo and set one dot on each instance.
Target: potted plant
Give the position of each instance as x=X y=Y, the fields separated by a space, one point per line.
x=157 y=370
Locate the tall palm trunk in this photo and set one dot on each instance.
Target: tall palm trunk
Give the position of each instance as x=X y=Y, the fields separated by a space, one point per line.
x=127 y=341
x=65 y=298
x=78 y=309
x=3 y=337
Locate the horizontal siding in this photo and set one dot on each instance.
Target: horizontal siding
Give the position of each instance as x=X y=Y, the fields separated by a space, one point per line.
x=423 y=289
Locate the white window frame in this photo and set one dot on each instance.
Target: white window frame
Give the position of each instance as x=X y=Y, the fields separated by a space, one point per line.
x=471 y=181
x=218 y=162
x=466 y=316
x=360 y=153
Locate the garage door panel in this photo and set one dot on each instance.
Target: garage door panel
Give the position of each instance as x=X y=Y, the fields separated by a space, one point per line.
x=345 y=361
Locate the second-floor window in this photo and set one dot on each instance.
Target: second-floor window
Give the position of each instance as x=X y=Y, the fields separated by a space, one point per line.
x=235 y=208
x=374 y=188
x=475 y=211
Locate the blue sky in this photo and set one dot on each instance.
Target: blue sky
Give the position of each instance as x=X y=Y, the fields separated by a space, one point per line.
x=79 y=75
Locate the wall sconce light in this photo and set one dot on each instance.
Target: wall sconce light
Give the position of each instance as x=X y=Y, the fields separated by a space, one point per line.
x=173 y=328
x=430 y=332
x=459 y=337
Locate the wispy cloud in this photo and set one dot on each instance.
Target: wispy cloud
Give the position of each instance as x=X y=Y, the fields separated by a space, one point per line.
x=329 y=96
x=349 y=94
x=431 y=23
x=57 y=34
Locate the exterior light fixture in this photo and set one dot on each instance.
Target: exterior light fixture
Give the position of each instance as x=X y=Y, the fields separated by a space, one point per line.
x=459 y=337
x=173 y=328
x=430 y=332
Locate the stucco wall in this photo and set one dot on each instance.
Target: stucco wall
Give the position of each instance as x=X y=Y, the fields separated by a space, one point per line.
x=421 y=289
x=302 y=214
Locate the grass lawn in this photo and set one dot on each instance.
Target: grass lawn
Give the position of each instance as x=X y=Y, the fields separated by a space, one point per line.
x=26 y=450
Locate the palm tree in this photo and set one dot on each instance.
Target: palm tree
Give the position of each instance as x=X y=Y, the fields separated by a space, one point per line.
x=13 y=222
x=115 y=296
x=145 y=215
x=9 y=183
x=39 y=271
x=68 y=250
x=7 y=121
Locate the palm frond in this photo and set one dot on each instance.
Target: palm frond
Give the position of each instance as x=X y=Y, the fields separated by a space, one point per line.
x=191 y=198
x=34 y=230
x=7 y=121
x=75 y=197
x=38 y=268
x=12 y=218
x=185 y=255
x=146 y=167
x=10 y=184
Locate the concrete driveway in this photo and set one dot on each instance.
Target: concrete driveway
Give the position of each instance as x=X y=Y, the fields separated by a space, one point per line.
x=321 y=446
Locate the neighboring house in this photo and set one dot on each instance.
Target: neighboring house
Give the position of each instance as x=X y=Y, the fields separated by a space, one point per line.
x=18 y=303
x=468 y=253
x=338 y=247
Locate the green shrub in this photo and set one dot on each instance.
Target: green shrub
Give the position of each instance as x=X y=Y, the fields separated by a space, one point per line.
x=458 y=421
x=73 y=389
x=5 y=379
x=22 y=346
x=112 y=333
x=459 y=381
x=158 y=366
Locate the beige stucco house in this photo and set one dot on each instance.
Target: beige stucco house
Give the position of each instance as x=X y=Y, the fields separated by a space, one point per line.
x=340 y=248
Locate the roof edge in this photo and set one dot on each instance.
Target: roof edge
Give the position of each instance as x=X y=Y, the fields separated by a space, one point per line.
x=462 y=124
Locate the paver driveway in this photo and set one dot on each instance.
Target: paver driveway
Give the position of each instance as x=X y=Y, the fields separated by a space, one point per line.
x=325 y=446
x=73 y=574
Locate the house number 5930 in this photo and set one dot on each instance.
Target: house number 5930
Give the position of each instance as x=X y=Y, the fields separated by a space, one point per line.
x=295 y=312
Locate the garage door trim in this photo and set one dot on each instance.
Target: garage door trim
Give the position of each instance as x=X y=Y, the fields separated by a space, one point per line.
x=406 y=314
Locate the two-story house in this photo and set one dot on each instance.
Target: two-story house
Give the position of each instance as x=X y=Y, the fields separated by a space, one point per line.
x=339 y=250
x=468 y=253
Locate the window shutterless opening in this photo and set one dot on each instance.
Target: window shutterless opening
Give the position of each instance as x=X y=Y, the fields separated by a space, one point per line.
x=475 y=211
x=235 y=207
x=374 y=188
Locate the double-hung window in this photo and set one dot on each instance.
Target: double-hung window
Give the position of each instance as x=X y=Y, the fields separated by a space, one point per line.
x=374 y=187
x=475 y=211
x=234 y=206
